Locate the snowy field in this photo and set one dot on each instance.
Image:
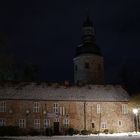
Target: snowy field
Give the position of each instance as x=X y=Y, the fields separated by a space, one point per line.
x=122 y=136
x=76 y=138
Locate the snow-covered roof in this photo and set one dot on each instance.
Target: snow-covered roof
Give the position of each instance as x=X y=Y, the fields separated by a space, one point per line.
x=43 y=91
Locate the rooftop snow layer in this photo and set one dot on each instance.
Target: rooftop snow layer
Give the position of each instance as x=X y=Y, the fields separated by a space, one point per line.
x=33 y=91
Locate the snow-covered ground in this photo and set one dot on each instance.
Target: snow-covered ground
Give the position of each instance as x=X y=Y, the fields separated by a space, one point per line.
x=115 y=136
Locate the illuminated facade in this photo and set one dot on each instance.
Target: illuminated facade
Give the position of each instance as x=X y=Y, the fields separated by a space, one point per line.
x=33 y=106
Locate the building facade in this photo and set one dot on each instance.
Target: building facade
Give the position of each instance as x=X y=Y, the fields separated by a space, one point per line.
x=92 y=107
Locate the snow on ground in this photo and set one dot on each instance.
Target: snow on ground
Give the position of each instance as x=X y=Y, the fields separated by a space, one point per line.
x=115 y=136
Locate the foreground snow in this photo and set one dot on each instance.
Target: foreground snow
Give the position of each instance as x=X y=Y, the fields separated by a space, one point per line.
x=117 y=136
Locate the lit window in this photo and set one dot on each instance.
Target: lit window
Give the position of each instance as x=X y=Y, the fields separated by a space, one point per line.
x=36 y=107
x=46 y=123
x=2 y=122
x=98 y=109
x=66 y=122
x=103 y=125
x=62 y=111
x=55 y=108
x=37 y=123
x=2 y=106
x=22 y=123
x=124 y=109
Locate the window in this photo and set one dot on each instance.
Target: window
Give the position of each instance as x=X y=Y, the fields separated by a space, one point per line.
x=36 y=107
x=56 y=120
x=120 y=123
x=55 y=108
x=62 y=111
x=2 y=122
x=103 y=125
x=46 y=123
x=2 y=106
x=66 y=122
x=92 y=125
x=76 y=67
x=124 y=109
x=37 y=123
x=98 y=109
x=87 y=65
x=22 y=123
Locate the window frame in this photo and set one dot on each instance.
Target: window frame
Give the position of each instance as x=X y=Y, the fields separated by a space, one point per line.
x=98 y=109
x=22 y=123
x=47 y=123
x=66 y=122
x=36 y=107
x=37 y=123
x=56 y=108
x=103 y=125
x=2 y=106
x=124 y=109
x=2 y=122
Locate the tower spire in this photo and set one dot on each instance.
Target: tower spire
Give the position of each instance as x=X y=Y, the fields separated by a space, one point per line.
x=88 y=62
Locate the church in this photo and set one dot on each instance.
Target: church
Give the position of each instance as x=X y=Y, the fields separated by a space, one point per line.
x=87 y=105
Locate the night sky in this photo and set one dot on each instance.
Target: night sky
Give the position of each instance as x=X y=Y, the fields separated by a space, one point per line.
x=47 y=32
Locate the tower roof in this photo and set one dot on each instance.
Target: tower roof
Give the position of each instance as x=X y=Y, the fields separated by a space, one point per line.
x=88 y=45
x=88 y=49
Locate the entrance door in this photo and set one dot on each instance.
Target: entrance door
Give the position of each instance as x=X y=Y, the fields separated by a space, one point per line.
x=56 y=128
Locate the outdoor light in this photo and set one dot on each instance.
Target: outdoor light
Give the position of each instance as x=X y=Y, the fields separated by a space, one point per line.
x=27 y=112
x=10 y=111
x=44 y=112
x=135 y=111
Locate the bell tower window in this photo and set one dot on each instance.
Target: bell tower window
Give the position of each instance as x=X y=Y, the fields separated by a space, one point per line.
x=87 y=65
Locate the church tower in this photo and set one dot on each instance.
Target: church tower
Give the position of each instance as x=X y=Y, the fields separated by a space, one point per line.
x=88 y=61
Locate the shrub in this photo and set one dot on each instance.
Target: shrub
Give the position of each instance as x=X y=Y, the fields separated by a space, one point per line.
x=49 y=132
x=106 y=131
x=85 y=132
x=10 y=131
x=70 y=131
x=96 y=132
x=111 y=131
x=34 y=132
x=76 y=132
